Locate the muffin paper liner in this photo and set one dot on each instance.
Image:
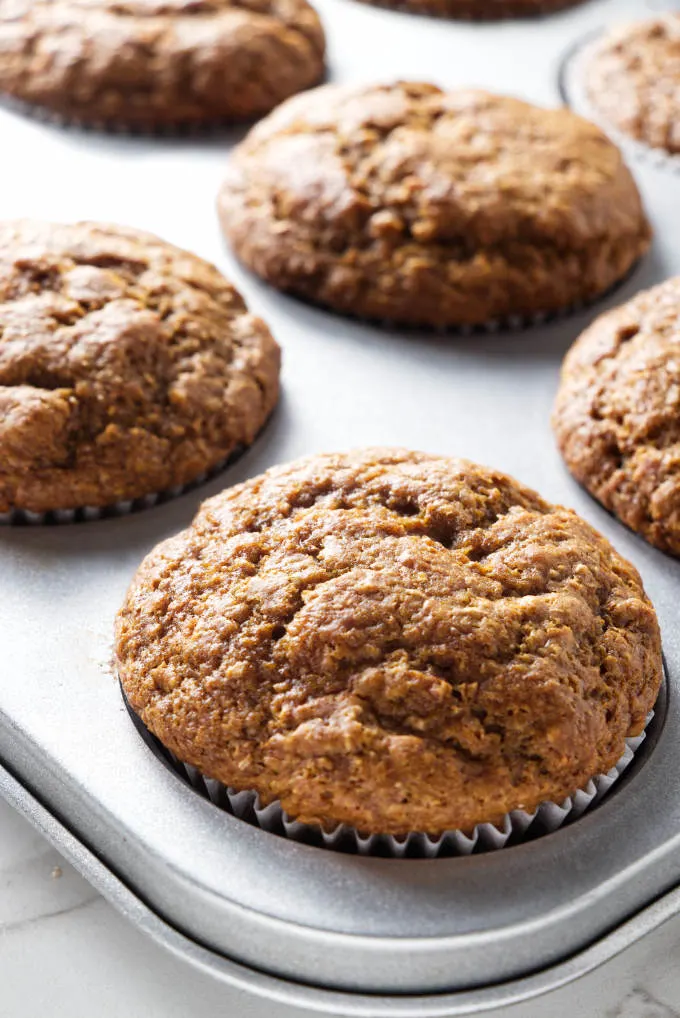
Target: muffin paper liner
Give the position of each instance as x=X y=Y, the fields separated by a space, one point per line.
x=573 y=90
x=512 y=323
x=86 y=514
x=515 y=827
x=499 y=16
x=181 y=129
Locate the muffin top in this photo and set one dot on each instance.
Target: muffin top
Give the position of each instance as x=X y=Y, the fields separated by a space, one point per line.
x=127 y=366
x=397 y=641
x=156 y=62
x=633 y=79
x=406 y=203
x=617 y=416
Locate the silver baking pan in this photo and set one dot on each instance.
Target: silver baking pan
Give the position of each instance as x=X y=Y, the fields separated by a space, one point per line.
x=321 y=930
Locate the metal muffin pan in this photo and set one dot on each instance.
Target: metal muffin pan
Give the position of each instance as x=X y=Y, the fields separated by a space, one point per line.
x=329 y=932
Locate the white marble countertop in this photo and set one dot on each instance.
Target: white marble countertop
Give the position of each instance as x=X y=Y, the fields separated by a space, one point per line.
x=65 y=953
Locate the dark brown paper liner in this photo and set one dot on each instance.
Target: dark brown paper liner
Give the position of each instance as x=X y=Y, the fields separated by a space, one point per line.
x=541 y=11
x=511 y=323
x=179 y=129
x=87 y=514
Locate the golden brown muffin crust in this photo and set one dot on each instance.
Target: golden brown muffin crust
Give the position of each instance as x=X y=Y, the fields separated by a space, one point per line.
x=633 y=80
x=156 y=62
x=409 y=204
x=127 y=366
x=392 y=640
x=617 y=415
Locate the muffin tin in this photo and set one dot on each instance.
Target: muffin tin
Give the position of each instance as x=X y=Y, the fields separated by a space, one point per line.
x=325 y=931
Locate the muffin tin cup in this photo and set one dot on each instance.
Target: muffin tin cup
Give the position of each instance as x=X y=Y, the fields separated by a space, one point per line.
x=573 y=90
x=516 y=826
x=87 y=514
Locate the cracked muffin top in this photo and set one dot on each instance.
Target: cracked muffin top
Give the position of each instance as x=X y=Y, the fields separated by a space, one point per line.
x=633 y=80
x=151 y=63
x=393 y=640
x=617 y=415
x=127 y=366
x=405 y=203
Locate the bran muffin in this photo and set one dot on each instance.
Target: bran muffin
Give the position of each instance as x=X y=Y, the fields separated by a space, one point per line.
x=127 y=366
x=617 y=415
x=392 y=640
x=479 y=10
x=404 y=203
x=152 y=63
x=632 y=79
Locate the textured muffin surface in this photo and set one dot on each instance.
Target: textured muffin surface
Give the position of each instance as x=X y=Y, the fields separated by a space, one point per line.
x=617 y=415
x=479 y=10
x=156 y=62
x=409 y=204
x=390 y=639
x=633 y=80
x=127 y=366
